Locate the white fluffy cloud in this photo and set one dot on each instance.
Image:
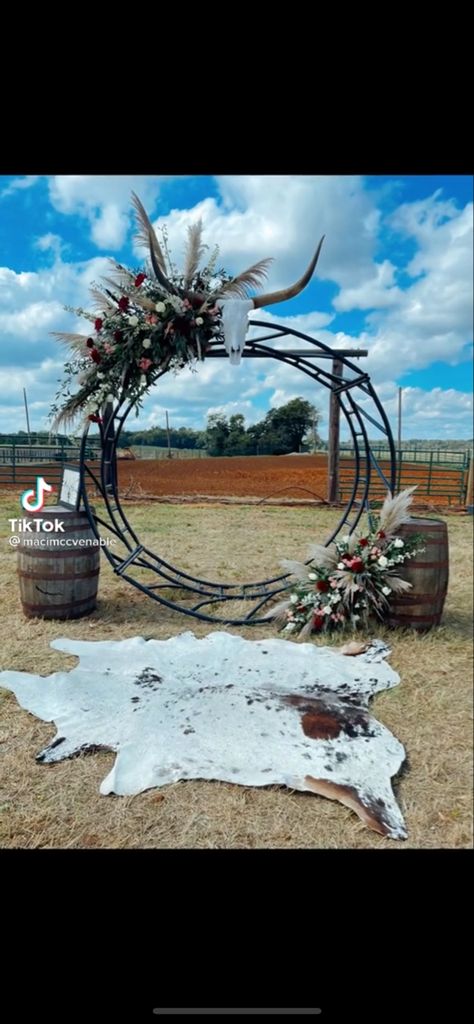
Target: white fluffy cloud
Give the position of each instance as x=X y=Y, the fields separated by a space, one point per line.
x=104 y=201
x=415 y=313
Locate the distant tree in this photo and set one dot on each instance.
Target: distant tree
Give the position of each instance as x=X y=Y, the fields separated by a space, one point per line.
x=217 y=434
x=286 y=426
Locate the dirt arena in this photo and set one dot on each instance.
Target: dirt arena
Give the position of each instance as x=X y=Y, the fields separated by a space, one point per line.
x=273 y=476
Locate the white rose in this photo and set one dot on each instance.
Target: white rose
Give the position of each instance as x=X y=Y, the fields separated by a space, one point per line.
x=133 y=321
x=346 y=539
x=293 y=599
x=199 y=321
x=340 y=565
x=335 y=598
x=386 y=591
x=100 y=376
x=327 y=609
x=160 y=307
x=398 y=543
x=382 y=561
x=312 y=576
x=146 y=342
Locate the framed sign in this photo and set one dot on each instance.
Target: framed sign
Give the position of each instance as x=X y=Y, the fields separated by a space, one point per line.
x=69 y=495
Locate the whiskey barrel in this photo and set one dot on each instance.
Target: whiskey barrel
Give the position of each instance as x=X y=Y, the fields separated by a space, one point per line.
x=58 y=568
x=421 y=607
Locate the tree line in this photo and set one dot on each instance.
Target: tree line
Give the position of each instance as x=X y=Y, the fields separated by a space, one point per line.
x=290 y=428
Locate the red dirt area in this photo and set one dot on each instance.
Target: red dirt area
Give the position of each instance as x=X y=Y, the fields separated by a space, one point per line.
x=302 y=477
x=258 y=476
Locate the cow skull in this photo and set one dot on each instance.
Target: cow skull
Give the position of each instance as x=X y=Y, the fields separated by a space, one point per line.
x=235 y=311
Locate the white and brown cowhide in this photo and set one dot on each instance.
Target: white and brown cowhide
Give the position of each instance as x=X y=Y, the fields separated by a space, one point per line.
x=250 y=712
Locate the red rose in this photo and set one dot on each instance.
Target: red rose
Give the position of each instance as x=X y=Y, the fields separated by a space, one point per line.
x=363 y=542
x=322 y=585
x=95 y=355
x=318 y=620
x=145 y=364
x=123 y=303
x=382 y=535
x=357 y=564
x=90 y=343
x=139 y=280
x=118 y=335
x=98 y=324
x=94 y=418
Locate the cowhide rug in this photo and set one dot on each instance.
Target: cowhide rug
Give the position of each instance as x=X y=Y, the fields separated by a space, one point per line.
x=244 y=711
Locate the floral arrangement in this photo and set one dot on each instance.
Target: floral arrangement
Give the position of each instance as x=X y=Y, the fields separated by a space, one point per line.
x=146 y=322
x=353 y=578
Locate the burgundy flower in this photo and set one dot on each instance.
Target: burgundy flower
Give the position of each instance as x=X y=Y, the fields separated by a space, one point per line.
x=145 y=364
x=94 y=418
x=139 y=280
x=363 y=542
x=382 y=535
x=322 y=585
x=123 y=303
x=318 y=620
x=95 y=355
x=98 y=323
x=118 y=335
x=90 y=343
x=356 y=564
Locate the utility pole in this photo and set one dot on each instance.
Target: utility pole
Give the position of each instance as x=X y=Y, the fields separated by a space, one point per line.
x=399 y=418
x=27 y=416
x=168 y=435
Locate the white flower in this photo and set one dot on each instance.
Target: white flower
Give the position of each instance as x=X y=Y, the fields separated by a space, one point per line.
x=199 y=321
x=100 y=376
x=346 y=539
x=398 y=543
x=386 y=591
x=146 y=342
x=110 y=398
x=160 y=307
x=290 y=627
x=133 y=321
x=340 y=565
x=382 y=561
x=335 y=598
x=293 y=599
x=327 y=609
x=312 y=576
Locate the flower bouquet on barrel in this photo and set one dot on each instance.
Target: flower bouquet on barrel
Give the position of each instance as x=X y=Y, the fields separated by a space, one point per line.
x=353 y=578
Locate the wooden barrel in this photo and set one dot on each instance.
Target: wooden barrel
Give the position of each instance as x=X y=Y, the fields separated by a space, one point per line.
x=58 y=569
x=428 y=571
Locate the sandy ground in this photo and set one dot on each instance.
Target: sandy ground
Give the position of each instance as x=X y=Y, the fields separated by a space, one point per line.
x=430 y=712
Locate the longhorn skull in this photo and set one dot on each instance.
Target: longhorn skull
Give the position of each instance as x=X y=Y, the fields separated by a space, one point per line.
x=231 y=299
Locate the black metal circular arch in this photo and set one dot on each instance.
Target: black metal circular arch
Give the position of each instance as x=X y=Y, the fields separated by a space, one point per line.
x=201 y=598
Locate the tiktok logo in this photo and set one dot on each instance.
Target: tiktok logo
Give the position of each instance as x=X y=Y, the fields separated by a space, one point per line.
x=33 y=500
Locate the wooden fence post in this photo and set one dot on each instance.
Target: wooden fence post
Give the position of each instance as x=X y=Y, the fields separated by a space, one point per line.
x=470 y=483
x=333 y=453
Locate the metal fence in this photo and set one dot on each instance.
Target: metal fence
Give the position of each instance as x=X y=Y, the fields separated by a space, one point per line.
x=20 y=461
x=435 y=472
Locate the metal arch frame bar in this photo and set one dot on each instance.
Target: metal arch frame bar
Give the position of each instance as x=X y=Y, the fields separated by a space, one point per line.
x=213 y=593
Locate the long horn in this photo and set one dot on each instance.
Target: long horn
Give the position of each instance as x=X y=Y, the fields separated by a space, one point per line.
x=295 y=289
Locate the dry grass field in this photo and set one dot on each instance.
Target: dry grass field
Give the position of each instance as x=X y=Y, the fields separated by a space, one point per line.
x=430 y=711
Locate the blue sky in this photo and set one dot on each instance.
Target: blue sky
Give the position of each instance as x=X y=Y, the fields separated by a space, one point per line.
x=394 y=276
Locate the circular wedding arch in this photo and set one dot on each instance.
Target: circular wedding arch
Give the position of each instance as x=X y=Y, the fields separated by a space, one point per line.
x=189 y=594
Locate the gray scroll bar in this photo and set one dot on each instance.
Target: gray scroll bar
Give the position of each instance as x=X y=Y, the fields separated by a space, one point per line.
x=158 y=1010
